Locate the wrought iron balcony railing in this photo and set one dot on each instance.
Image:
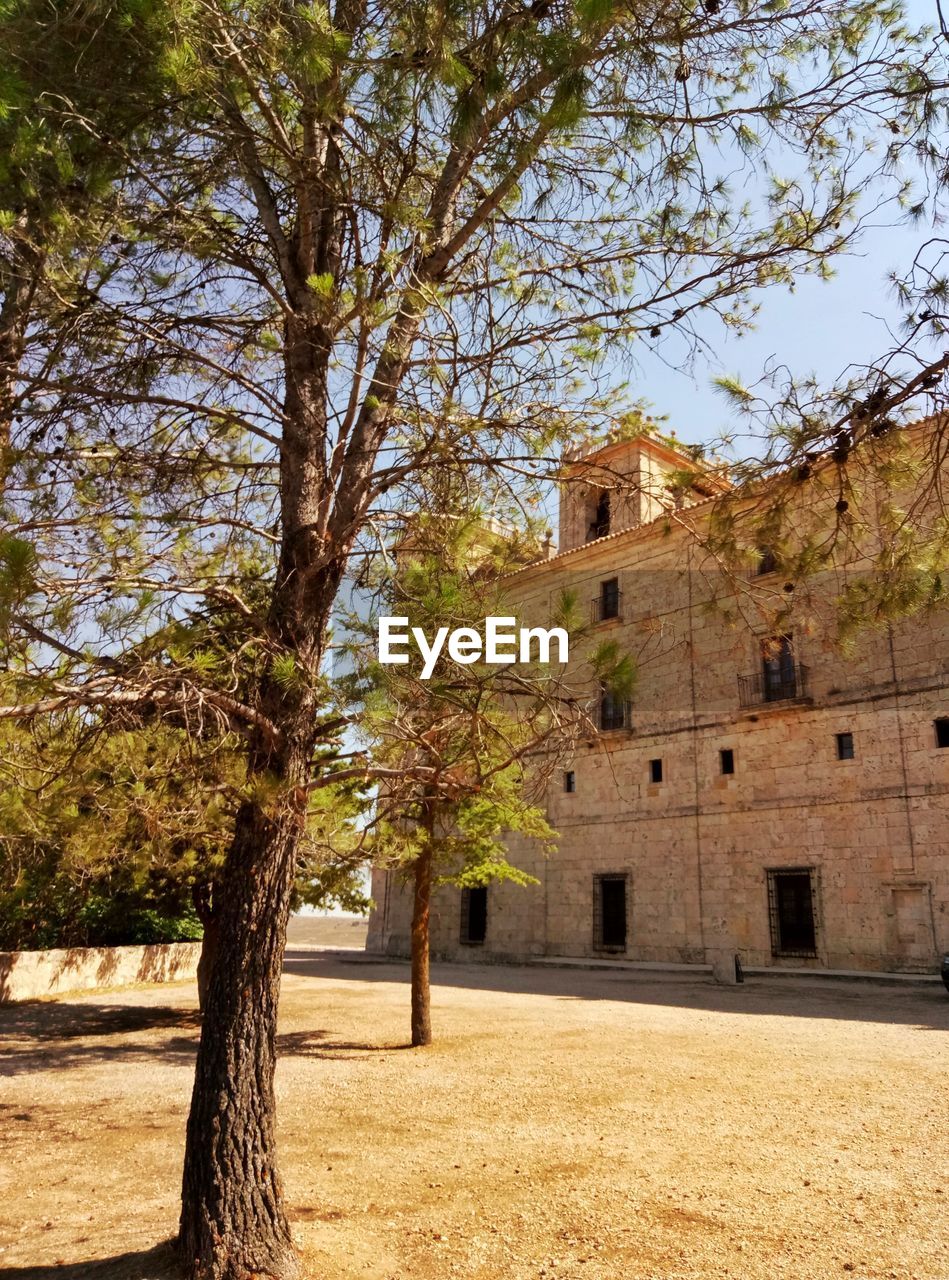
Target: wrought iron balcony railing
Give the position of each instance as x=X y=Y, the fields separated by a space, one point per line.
x=606 y=606
x=786 y=684
x=614 y=713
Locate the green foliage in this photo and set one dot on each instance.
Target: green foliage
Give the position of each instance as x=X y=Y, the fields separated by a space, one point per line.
x=459 y=748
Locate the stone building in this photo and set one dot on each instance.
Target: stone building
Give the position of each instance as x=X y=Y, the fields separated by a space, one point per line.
x=760 y=794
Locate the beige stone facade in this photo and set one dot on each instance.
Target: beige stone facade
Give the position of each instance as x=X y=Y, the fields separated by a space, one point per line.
x=765 y=830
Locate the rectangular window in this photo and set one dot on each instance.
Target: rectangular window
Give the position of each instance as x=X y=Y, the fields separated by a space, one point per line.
x=570 y=781
x=942 y=731
x=609 y=912
x=791 y=910
x=727 y=760
x=600 y=525
x=777 y=668
x=655 y=770
x=767 y=561
x=474 y=916
x=614 y=711
x=844 y=746
x=609 y=599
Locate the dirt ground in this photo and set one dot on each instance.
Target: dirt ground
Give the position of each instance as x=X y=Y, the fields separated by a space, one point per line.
x=327 y=931
x=567 y=1125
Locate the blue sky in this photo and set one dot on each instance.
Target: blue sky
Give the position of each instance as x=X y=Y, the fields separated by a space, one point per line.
x=821 y=328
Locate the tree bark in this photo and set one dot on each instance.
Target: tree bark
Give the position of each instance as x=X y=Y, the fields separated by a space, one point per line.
x=233 y=1225
x=203 y=897
x=212 y=931
x=421 y=987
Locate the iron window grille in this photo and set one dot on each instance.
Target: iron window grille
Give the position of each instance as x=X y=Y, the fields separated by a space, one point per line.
x=474 y=916
x=609 y=603
x=792 y=911
x=570 y=781
x=610 y=911
x=614 y=713
x=845 y=749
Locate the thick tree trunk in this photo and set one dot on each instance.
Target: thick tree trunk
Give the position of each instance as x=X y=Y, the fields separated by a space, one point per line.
x=421 y=987
x=233 y=1225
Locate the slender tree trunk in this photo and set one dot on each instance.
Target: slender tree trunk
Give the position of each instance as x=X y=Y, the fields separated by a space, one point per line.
x=421 y=987
x=212 y=932
x=204 y=897
x=233 y=1225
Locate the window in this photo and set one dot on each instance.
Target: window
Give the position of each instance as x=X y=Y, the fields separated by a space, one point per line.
x=570 y=781
x=609 y=599
x=791 y=911
x=655 y=770
x=600 y=524
x=609 y=912
x=474 y=916
x=942 y=731
x=844 y=746
x=614 y=711
x=777 y=668
x=767 y=561
x=726 y=759
x=779 y=678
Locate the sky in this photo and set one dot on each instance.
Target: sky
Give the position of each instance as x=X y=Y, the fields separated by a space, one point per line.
x=821 y=328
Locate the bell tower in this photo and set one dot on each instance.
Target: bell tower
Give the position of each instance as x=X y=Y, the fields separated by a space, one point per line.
x=622 y=484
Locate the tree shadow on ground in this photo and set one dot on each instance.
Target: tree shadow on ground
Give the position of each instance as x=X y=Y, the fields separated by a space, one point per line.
x=46 y=1035
x=42 y=1034
x=913 y=1004
x=159 y=1263
x=311 y=1044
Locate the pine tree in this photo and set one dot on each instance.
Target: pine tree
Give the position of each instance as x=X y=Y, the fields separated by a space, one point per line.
x=355 y=247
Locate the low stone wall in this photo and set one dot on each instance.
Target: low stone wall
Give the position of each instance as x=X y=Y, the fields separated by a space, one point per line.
x=27 y=975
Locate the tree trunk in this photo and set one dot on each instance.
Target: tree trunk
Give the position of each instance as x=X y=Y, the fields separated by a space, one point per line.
x=233 y=1225
x=204 y=896
x=212 y=931
x=421 y=988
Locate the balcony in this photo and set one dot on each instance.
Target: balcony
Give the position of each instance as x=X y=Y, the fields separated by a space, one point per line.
x=789 y=683
x=614 y=713
x=606 y=606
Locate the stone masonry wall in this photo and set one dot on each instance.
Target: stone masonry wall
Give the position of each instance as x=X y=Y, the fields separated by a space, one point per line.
x=698 y=846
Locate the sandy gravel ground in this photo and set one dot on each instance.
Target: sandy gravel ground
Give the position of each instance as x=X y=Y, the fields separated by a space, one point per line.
x=327 y=931
x=567 y=1126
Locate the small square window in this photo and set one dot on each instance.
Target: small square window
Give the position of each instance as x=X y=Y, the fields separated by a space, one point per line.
x=570 y=781
x=727 y=759
x=844 y=746
x=655 y=770
x=942 y=731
